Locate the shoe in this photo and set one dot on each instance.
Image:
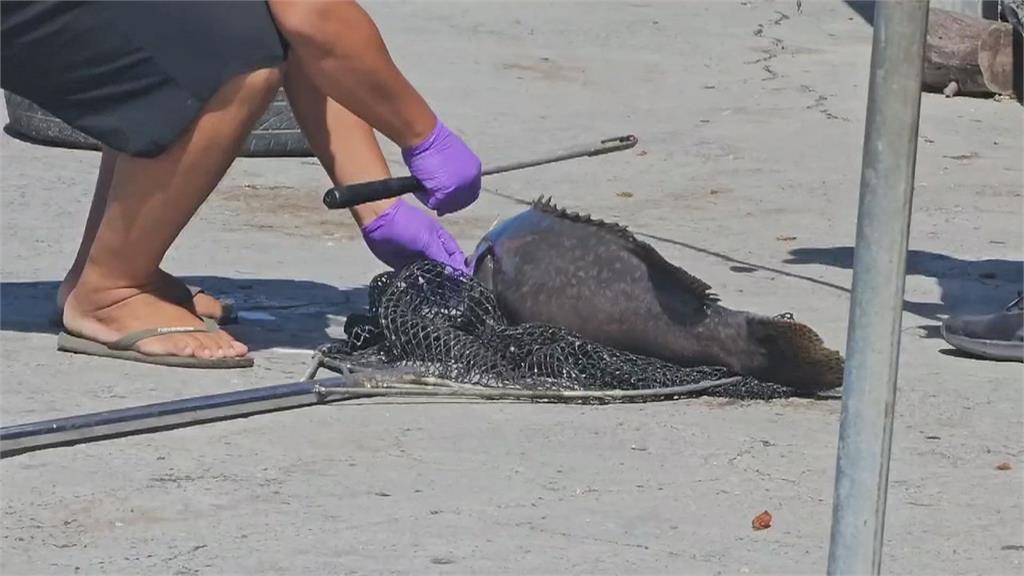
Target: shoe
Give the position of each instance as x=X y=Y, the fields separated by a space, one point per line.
x=998 y=336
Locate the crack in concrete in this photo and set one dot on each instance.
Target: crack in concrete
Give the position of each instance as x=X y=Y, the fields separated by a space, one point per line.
x=190 y=551
x=819 y=104
x=777 y=45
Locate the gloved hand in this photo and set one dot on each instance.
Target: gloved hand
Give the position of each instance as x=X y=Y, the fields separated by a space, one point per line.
x=403 y=234
x=447 y=168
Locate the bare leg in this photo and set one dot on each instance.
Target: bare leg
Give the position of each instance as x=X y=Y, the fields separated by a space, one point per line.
x=343 y=53
x=170 y=287
x=348 y=150
x=150 y=201
x=345 y=145
x=99 y=203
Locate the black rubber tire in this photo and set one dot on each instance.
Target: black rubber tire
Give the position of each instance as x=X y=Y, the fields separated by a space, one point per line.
x=276 y=134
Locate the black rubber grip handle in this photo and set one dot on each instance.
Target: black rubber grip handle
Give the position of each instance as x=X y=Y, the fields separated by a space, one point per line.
x=353 y=195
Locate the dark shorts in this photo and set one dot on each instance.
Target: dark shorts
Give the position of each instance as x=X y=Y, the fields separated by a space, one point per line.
x=132 y=75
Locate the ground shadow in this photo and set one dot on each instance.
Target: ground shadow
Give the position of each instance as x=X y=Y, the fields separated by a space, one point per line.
x=954 y=353
x=866 y=10
x=967 y=286
x=275 y=313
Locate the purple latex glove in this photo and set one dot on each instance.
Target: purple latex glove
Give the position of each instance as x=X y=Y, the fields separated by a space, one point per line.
x=402 y=235
x=447 y=168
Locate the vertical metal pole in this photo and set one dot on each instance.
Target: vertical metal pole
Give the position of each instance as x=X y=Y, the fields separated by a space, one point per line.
x=883 y=225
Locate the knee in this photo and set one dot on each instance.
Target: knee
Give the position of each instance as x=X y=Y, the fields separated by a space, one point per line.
x=267 y=80
x=260 y=86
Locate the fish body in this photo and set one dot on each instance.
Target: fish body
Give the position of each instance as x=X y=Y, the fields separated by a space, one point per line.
x=550 y=266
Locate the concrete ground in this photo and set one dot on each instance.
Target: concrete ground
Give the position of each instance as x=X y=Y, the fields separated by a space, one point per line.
x=750 y=117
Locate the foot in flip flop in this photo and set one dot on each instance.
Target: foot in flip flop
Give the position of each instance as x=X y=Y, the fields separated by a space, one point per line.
x=221 y=311
x=204 y=305
x=131 y=324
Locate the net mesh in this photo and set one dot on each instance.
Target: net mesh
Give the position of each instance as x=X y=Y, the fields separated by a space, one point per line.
x=445 y=324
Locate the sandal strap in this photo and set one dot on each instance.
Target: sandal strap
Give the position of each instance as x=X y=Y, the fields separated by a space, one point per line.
x=128 y=341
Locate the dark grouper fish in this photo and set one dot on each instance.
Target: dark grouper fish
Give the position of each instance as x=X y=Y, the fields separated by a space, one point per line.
x=546 y=265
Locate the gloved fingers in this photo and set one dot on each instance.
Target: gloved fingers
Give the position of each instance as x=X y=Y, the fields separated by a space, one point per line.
x=426 y=198
x=449 y=171
x=460 y=198
x=403 y=234
x=445 y=249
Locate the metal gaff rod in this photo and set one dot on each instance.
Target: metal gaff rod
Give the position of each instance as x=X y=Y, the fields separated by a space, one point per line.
x=340 y=197
x=606 y=146
x=883 y=226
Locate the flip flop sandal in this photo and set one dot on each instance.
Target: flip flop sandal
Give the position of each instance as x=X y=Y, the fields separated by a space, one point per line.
x=121 y=349
x=229 y=315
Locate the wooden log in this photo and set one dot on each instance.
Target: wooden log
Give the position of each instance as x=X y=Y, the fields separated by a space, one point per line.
x=967 y=55
x=995 y=57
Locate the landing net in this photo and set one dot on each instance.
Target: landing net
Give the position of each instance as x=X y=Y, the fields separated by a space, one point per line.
x=444 y=324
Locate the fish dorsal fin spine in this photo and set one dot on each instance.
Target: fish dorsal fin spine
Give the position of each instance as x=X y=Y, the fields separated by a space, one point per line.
x=642 y=249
